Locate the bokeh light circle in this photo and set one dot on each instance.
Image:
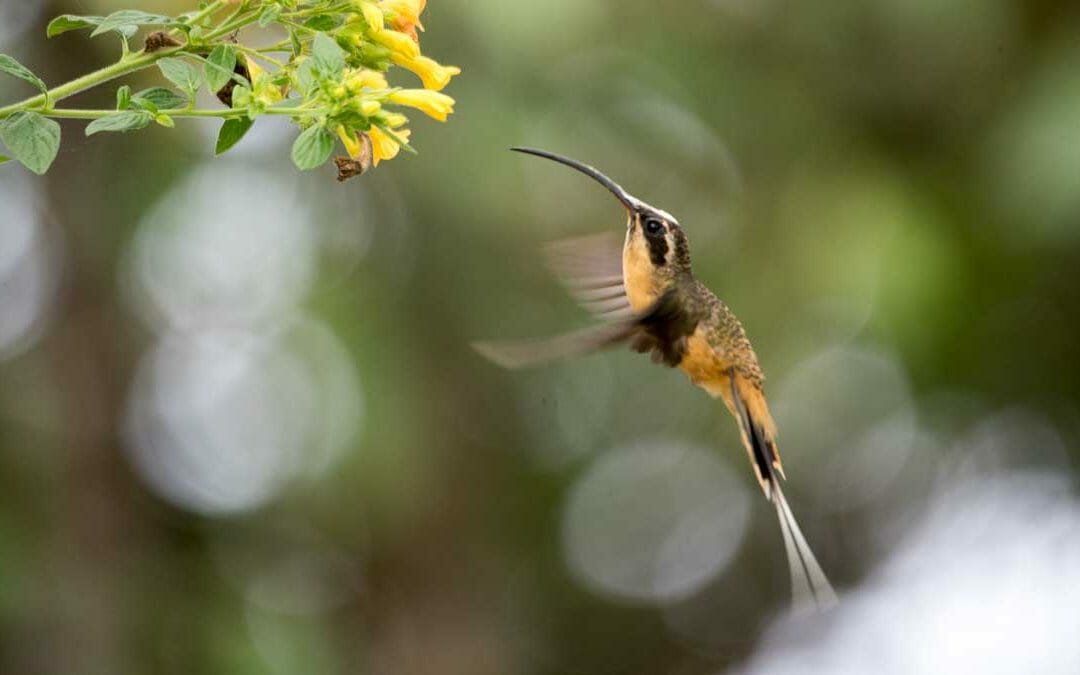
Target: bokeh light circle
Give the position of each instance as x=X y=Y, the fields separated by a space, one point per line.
x=28 y=268
x=653 y=522
x=219 y=422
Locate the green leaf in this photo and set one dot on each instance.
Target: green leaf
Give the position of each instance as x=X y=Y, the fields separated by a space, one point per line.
x=126 y=18
x=219 y=67
x=164 y=120
x=124 y=121
x=12 y=67
x=33 y=139
x=4 y=159
x=305 y=76
x=123 y=98
x=181 y=73
x=160 y=98
x=66 y=22
x=269 y=15
x=241 y=96
x=322 y=22
x=328 y=57
x=312 y=148
x=231 y=133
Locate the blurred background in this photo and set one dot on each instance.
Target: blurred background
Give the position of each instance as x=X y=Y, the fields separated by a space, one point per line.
x=241 y=429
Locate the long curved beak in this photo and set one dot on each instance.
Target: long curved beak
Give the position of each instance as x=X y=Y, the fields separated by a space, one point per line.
x=622 y=195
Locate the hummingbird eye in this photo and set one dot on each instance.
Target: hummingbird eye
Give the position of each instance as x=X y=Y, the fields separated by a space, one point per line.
x=654 y=226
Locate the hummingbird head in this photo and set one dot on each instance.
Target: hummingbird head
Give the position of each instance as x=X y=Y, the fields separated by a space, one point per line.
x=655 y=244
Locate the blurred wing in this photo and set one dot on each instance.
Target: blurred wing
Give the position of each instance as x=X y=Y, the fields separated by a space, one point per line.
x=526 y=353
x=590 y=268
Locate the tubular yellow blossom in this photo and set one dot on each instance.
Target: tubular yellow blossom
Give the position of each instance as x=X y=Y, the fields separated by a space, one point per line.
x=434 y=75
x=396 y=42
x=369 y=107
x=433 y=103
x=406 y=13
x=372 y=15
x=349 y=140
x=384 y=147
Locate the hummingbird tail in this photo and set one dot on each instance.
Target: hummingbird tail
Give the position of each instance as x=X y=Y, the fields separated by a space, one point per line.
x=810 y=588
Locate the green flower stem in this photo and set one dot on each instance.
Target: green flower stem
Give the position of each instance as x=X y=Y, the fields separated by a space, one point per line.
x=240 y=8
x=223 y=113
x=298 y=26
x=233 y=25
x=283 y=46
x=259 y=55
x=299 y=14
x=127 y=64
x=210 y=9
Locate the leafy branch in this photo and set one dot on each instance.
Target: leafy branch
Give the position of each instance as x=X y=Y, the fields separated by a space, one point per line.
x=327 y=75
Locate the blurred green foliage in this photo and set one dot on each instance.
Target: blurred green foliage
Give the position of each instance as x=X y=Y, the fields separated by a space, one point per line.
x=895 y=177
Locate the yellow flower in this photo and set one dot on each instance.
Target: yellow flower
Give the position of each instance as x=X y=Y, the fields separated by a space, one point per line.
x=410 y=10
x=384 y=147
x=431 y=102
x=369 y=107
x=372 y=15
x=352 y=145
x=396 y=42
x=357 y=80
x=406 y=14
x=434 y=75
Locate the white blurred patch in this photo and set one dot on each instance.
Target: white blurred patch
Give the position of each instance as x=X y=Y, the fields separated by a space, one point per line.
x=654 y=522
x=219 y=422
x=243 y=393
x=231 y=245
x=28 y=270
x=988 y=583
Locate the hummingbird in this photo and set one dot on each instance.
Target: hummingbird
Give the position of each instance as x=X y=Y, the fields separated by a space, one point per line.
x=648 y=298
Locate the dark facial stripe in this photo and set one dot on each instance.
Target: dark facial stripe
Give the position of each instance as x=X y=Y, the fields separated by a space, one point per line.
x=658 y=246
x=658 y=249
